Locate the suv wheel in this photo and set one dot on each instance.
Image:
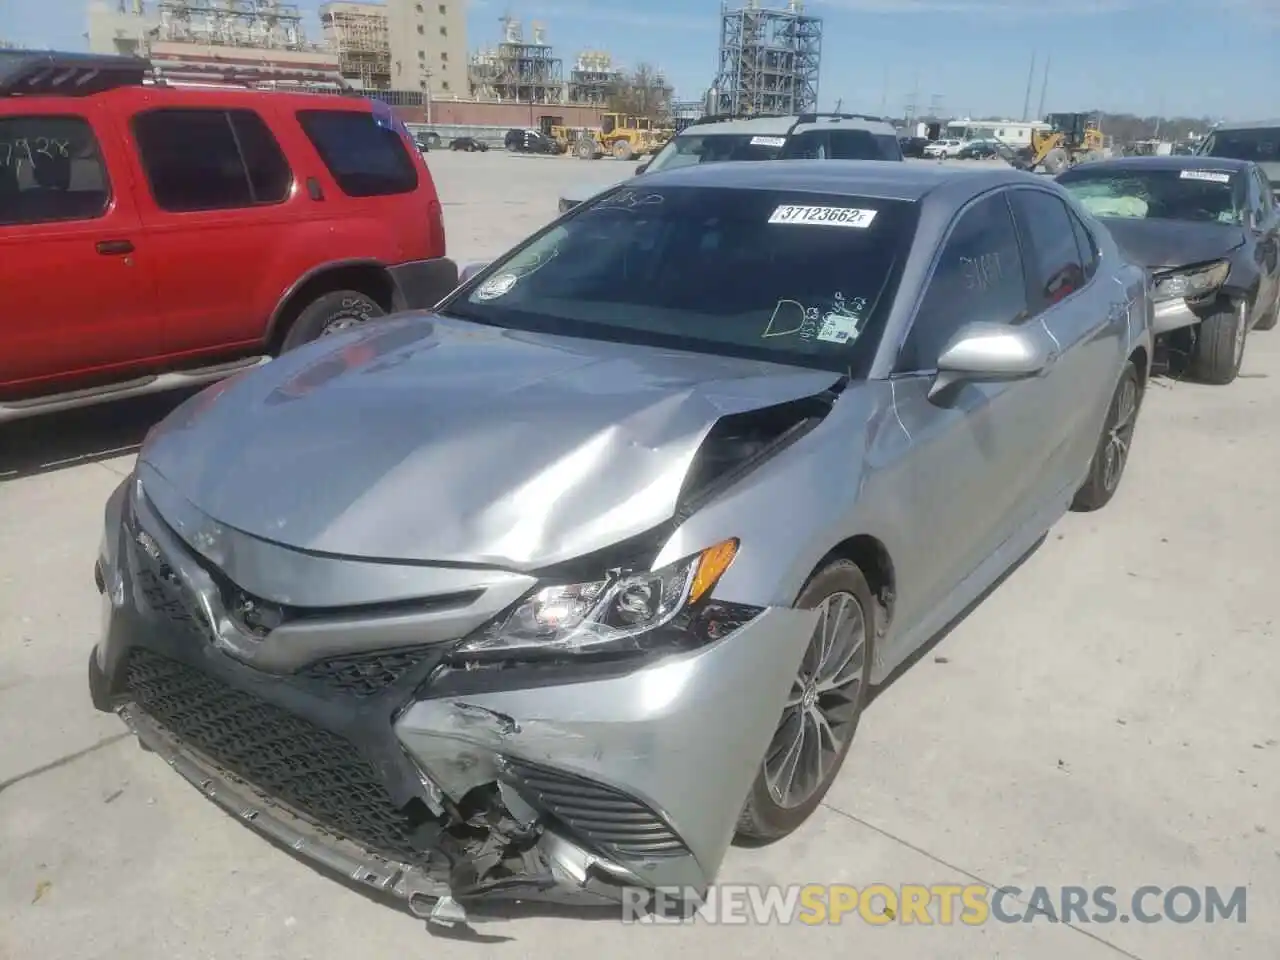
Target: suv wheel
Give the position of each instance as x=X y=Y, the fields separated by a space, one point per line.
x=331 y=313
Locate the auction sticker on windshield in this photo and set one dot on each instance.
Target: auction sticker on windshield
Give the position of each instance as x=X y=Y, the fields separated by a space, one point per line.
x=768 y=141
x=824 y=216
x=1210 y=176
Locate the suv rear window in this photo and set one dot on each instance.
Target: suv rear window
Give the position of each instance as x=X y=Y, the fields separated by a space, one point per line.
x=689 y=149
x=210 y=159
x=842 y=145
x=1259 y=144
x=50 y=170
x=366 y=158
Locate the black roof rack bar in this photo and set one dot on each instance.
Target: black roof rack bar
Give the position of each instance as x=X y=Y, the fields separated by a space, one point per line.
x=44 y=73
x=811 y=117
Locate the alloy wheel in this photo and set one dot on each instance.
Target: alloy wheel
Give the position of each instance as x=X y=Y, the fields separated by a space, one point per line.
x=822 y=707
x=1116 y=452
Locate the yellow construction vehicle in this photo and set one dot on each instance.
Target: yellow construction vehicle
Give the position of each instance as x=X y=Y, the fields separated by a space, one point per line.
x=622 y=137
x=1070 y=139
x=554 y=128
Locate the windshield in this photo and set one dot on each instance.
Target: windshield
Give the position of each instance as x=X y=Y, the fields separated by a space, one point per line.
x=1204 y=196
x=841 y=145
x=689 y=149
x=1260 y=145
x=802 y=279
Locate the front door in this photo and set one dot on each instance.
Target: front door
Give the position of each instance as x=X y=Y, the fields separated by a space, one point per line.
x=77 y=296
x=976 y=449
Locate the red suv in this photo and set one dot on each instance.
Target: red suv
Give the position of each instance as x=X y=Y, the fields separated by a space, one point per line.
x=155 y=236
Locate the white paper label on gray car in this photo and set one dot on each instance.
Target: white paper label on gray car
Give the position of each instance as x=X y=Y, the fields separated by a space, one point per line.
x=824 y=216
x=496 y=287
x=1211 y=176
x=768 y=141
x=838 y=328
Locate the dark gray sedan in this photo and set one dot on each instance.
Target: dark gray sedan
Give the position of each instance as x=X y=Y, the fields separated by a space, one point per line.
x=1208 y=231
x=552 y=591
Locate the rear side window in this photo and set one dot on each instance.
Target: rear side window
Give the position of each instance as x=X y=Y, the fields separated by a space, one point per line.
x=50 y=170
x=1086 y=245
x=210 y=159
x=1054 y=263
x=366 y=158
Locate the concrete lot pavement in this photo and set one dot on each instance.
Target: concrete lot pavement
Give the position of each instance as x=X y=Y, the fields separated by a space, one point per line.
x=1108 y=716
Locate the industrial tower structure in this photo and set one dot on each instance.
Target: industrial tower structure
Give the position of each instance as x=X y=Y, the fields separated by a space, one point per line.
x=770 y=61
x=519 y=71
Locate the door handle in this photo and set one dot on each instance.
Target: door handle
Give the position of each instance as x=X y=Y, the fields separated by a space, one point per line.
x=114 y=247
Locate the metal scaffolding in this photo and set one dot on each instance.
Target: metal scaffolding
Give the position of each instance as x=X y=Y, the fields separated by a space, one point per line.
x=518 y=71
x=593 y=78
x=358 y=34
x=770 y=60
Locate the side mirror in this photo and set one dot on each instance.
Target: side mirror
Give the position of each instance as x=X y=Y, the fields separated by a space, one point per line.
x=469 y=270
x=641 y=167
x=992 y=351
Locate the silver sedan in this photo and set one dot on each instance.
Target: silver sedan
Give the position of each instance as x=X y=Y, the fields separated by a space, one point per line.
x=554 y=590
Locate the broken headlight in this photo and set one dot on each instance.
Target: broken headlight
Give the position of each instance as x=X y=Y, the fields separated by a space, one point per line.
x=618 y=612
x=1193 y=284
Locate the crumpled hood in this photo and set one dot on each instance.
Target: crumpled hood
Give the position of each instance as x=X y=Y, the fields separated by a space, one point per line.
x=433 y=439
x=1157 y=244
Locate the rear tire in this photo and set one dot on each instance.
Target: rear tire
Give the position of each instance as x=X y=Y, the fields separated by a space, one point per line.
x=331 y=313
x=832 y=683
x=1219 y=347
x=622 y=151
x=586 y=149
x=1111 y=455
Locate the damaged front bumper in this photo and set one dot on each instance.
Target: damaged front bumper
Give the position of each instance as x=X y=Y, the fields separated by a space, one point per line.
x=442 y=783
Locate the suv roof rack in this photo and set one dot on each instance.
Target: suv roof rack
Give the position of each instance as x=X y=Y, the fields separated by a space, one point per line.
x=814 y=117
x=725 y=117
x=53 y=73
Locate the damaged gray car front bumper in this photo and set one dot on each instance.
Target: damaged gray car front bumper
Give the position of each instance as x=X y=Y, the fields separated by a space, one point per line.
x=360 y=747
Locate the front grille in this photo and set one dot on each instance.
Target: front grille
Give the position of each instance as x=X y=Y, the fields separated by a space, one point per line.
x=164 y=592
x=369 y=674
x=318 y=773
x=601 y=817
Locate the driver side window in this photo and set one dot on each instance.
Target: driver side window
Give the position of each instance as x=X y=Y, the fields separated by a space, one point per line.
x=978 y=277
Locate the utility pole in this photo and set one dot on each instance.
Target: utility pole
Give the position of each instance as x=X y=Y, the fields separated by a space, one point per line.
x=1026 y=101
x=1044 y=87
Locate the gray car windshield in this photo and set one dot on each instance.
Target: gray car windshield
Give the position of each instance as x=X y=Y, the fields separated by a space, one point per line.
x=690 y=149
x=801 y=279
x=1203 y=196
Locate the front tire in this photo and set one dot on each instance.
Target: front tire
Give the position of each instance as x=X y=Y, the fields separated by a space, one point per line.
x=331 y=313
x=823 y=707
x=1112 y=453
x=1219 y=347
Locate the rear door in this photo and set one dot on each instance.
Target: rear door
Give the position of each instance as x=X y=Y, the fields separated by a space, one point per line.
x=1088 y=320
x=76 y=294
x=977 y=450
x=1266 y=232
x=217 y=197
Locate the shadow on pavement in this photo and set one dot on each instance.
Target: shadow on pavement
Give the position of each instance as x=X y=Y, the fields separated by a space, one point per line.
x=45 y=444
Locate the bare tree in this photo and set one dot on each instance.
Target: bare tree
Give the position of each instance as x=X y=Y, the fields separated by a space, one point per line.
x=642 y=92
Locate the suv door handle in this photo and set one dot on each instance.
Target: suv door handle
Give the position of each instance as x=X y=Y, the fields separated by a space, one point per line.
x=114 y=247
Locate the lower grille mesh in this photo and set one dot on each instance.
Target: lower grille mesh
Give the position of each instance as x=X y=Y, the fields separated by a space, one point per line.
x=608 y=820
x=367 y=675
x=318 y=773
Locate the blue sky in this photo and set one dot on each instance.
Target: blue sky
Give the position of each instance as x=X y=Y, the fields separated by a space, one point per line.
x=1193 y=57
